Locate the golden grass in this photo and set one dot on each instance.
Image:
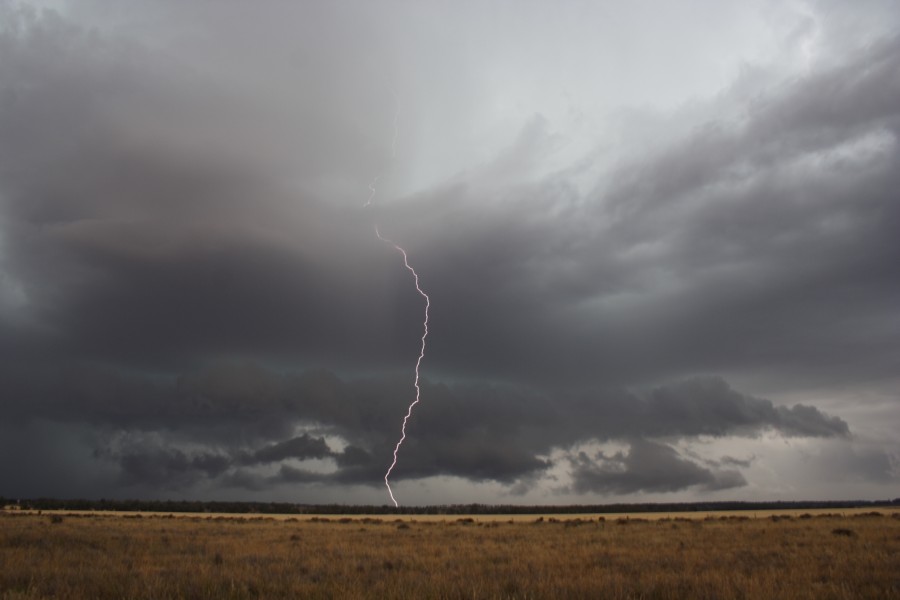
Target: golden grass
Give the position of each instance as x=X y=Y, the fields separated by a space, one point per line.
x=733 y=556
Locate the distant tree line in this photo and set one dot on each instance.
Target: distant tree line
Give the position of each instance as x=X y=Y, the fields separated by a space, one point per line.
x=199 y=506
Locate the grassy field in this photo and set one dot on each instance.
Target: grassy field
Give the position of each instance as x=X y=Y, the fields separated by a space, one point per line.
x=716 y=556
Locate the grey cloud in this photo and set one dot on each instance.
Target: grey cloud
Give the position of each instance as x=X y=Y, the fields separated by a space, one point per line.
x=809 y=421
x=474 y=457
x=110 y=234
x=353 y=456
x=245 y=414
x=708 y=406
x=302 y=447
x=243 y=479
x=856 y=462
x=648 y=467
x=737 y=462
x=766 y=244
x=57 y=459
x=688 y=408
x=169 y=467
x=294 y=475
x=715 y=253
x=181 y=195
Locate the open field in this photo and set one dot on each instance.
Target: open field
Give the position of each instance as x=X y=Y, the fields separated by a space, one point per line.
x=729 y=556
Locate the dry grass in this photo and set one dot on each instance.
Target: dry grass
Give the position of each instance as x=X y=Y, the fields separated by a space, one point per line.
x=822 y=556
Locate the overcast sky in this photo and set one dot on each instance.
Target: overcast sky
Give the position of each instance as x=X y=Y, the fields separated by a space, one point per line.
x=660 y=239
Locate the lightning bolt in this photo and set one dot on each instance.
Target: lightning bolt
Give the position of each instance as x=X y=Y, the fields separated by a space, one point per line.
x=421 y=292
x=418 y=361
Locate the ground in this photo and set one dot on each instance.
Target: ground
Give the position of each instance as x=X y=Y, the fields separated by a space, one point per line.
x=842 y=554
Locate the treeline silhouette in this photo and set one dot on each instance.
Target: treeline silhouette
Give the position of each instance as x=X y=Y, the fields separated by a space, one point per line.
x=285 y=508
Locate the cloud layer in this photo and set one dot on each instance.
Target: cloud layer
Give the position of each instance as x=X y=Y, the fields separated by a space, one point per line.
x=616 y=250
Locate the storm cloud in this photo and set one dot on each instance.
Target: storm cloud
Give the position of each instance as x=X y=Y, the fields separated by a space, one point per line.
x=624 y=241
x=648 y=466
x=217 y=423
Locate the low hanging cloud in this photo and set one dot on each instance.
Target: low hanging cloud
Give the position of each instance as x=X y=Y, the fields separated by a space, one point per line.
x=302 y=447
x=220 y=424
x=647 y=467
x=709 y=406
x=169 y=468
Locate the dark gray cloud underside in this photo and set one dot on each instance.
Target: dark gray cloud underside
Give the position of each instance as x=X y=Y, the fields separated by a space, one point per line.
x=243 y=415
x=648 y=467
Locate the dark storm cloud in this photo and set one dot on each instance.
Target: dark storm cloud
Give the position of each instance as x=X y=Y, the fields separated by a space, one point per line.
x=768 y=243
x=215 y=423
x=708 y=406
x=168 y=467
x=137 y=228
x=169 y=223
x=763 y=243
x=648 y=467
x=301 y=447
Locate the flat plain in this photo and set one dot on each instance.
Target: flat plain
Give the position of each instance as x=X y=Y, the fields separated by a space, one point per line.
x=842 y=554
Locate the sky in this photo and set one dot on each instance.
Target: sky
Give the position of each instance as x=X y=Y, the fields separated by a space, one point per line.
x=659 y=239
